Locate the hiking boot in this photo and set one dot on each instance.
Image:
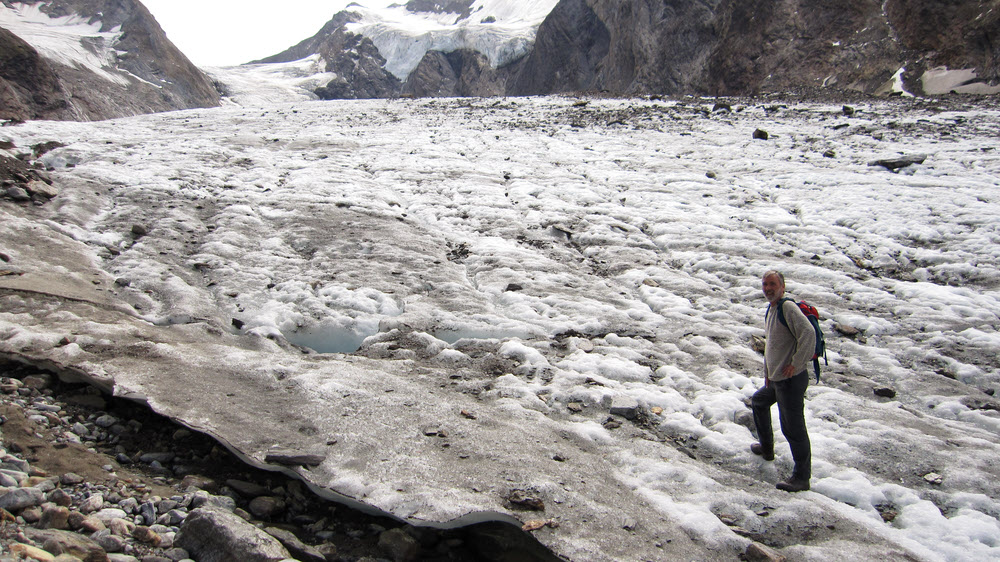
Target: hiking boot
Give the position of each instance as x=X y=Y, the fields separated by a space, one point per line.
x=758 y=450
x=793 y=485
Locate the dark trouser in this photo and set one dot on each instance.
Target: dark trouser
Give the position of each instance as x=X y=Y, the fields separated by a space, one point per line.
x=790 y=395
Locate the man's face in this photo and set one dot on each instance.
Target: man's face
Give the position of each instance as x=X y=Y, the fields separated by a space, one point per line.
x=773 y=288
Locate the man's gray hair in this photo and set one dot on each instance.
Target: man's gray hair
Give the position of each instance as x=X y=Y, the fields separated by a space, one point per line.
x=774 y=273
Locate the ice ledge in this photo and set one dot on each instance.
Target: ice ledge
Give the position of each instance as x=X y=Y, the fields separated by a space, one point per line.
x=363 y=422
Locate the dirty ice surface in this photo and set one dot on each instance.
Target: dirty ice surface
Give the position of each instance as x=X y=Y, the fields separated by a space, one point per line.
x=588 y=254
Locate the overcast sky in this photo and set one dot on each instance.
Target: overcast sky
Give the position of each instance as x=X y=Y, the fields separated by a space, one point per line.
x=229 y=32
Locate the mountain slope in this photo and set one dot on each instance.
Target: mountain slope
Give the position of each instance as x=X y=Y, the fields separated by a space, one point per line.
x=462 y=47
x=92 y=59
x=735 y=47
x=672 y=47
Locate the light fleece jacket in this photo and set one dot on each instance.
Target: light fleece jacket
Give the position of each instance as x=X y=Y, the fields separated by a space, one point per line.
x=795 y=344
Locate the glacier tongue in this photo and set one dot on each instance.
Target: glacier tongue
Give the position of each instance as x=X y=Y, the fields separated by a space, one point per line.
x=562 y=295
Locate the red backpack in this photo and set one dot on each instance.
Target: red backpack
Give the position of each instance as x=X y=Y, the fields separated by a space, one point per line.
x=813 y=316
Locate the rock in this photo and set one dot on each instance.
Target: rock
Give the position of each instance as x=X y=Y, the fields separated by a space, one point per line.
x=107 y=514
x=162 y=458
x=148 y=512
x=399 y=545
x=9 y=481
x=121 y=527
x=31 y=515
x=265 y=507
x=129 y=505
x=745 y=418
x=92 y=504
x=845 y=330
x=176 y=554
x=113 y=557
x=199 y=482
x=248 y=489
x=54 y=517
x=934 y=478
x=17 y=193
x=757 y=552
x=41 y=189
x=106 y=421
x=217 y=536
x=885 y=392
x=204 y=499
x=60 y=497
x=146 y=535
x=20 y=498
x=66 y=542
x=898 y=162
x=139 y=230
x=166 y=505
x=108 y=541
x=329 y=551
x=171 y=518
x=625 y=407
x=37 y=382
x=760 y=134
x=31 y=553
x=848 y=110
x=296 y=547
x=71 y=479
x=523 y=499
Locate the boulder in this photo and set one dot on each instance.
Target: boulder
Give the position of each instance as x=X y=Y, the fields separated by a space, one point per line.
x=66 y=542
x=898 y=162
x=216 y=536
x=398 y=545
x=19 y=498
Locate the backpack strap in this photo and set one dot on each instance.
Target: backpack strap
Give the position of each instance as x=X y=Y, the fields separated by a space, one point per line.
x=781 y=312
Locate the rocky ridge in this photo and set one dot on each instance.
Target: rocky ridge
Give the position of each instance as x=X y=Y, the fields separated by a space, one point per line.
x=147 y=72
x=715 y=47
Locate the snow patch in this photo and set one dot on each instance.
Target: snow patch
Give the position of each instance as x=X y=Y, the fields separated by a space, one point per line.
x=941 y=80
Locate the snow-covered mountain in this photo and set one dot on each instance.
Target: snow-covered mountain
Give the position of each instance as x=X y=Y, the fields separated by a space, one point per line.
x=85 y=60
x=716 y=47
x=542 y=310
x=422 y=47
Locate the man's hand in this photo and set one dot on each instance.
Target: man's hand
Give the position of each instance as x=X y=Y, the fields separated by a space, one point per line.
x=788 y=372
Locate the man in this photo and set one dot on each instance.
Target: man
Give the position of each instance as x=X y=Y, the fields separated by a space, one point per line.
x=787 y=353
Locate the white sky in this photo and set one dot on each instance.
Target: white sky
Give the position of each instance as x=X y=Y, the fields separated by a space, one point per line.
x=229 y=32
